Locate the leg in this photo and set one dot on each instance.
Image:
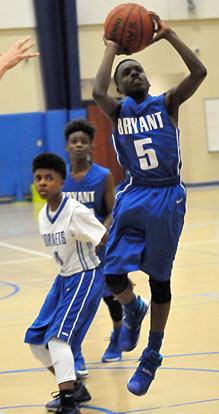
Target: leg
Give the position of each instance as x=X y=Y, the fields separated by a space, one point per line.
x=81 y=394
x=113 y=352
x=134 y=309
x=151 y=358
x=80 y=367
x=92 y=304
x=63 y=364
x=86 y=320
x=159 y=316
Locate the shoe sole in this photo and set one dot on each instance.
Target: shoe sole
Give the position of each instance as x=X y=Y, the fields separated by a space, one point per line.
x=111 y=359
x=54 y=410
x=81 y=374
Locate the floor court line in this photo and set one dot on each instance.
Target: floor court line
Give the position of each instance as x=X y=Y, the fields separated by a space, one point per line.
x=198 y=354
x=13 y=262
x=198 y=242
x=22 y=249
x=108 y=411
x=15 y=289
x=10 y=246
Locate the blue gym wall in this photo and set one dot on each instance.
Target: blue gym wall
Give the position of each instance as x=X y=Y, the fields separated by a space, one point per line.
x=20 y=135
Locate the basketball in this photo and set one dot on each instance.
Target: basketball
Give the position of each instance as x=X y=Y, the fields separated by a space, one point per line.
x=129 y=25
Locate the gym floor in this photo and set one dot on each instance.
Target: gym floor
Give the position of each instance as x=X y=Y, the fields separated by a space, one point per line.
x=188 y=380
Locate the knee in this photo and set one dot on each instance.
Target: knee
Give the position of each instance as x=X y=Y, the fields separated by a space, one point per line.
x=160 y=291
x=42 y=354
x=117 y=283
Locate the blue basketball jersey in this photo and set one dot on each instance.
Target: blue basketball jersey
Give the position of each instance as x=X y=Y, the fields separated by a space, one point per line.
x=146 y=142
x=149 y=212
x=89 y=190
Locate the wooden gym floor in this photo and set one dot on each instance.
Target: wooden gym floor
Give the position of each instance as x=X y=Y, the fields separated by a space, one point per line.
x=187 y=382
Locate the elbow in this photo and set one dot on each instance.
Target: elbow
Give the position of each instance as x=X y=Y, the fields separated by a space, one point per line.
x=203 y=72
x=200 y=74
x=95 y=94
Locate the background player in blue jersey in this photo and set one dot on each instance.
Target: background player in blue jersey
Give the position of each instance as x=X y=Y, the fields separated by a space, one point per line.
x=16 y=54
x=72 y=233
x=149 y=212
x=92 y=185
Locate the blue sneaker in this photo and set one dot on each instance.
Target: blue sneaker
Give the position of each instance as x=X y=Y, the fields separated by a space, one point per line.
x=145 y=373
x=113 y=352
x=80 y=367
x=131 y=325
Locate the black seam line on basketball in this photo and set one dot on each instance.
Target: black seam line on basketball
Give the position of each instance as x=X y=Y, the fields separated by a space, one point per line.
x=122 y=32
x=112 y=17
x=141 y=35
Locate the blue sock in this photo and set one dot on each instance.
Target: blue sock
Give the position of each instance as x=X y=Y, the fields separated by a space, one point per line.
x=155 y=340
x=134 y=305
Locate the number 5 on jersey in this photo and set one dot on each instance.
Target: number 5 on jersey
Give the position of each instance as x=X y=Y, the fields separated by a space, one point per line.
x=147 y=157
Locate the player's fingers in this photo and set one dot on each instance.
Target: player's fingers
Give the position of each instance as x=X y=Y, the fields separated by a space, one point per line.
x=21 y=42
x=30 y=55
x=26 y=48
x=154 y=15
x=156 y=21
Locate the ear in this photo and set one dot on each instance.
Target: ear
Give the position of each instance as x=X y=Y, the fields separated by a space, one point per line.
x=118 y=90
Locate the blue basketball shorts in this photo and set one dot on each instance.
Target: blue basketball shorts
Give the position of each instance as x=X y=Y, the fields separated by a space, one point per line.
x=147 y=224
x=69 y=309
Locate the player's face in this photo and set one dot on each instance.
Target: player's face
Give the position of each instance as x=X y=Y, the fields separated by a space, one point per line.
x=132 y=79
x=48 y=183
x=78 y=145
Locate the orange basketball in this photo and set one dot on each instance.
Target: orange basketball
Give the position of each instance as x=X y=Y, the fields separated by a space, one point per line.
x=129 y=25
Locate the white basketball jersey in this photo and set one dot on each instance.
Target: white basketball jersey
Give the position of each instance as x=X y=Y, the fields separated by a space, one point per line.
x=71 y=233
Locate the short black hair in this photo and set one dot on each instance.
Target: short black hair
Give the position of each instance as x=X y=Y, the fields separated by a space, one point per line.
x=118 y=66
x=79 y=124
x=50 y=161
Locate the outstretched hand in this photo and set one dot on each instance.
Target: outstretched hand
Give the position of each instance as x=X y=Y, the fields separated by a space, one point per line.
x=16 y=53
x=161 y=29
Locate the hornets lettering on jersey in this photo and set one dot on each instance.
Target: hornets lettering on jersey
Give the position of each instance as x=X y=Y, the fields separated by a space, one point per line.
x=54 y=239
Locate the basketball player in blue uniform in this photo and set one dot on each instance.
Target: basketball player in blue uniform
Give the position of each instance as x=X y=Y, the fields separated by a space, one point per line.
x=93 y=186
x=149 y=212
x=16 y=54
x=71 y=232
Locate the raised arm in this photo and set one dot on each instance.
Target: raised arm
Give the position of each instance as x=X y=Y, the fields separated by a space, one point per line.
x=16 y=53
x=187 y=87
x=107 y=104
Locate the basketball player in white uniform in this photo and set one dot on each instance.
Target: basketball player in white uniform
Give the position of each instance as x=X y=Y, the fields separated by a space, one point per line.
x=72 y=233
